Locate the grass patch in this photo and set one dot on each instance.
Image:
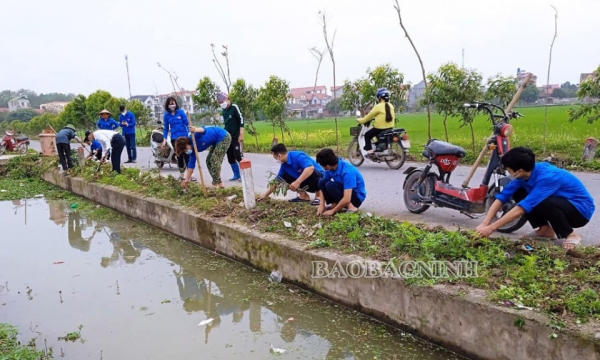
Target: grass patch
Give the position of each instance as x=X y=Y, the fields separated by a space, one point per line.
x=11 y=347
x=564 y=285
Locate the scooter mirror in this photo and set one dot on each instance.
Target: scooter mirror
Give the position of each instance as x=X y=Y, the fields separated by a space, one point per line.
x=467 y=105
x=357 y=113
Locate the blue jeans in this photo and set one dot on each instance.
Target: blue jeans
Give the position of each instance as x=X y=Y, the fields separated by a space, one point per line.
x=130 y=146
x=333 y=192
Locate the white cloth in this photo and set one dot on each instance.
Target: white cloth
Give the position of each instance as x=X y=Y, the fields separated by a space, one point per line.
x=104 y=137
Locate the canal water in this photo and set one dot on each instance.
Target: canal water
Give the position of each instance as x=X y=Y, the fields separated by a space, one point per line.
x=130 y=291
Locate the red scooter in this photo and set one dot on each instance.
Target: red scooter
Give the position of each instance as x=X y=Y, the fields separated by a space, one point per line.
x=17 y=144
x=423 y=188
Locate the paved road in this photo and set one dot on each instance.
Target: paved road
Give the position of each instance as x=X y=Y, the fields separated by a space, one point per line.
x=384 y=191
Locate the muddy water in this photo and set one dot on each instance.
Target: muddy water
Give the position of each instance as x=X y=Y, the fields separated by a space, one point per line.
x=141 y=294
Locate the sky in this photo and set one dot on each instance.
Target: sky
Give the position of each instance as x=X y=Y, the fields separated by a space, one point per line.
x=80 y=46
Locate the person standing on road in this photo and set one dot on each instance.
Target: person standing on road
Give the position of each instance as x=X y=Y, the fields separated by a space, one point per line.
x=106 y=122
x=553 y=200
x=234 y=124
x=127 y=119
x=63 y=145
x=176 y=121
x=111 y=141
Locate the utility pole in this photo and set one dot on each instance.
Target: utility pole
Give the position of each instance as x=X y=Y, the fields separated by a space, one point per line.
x=463 y=58
x=128 y=82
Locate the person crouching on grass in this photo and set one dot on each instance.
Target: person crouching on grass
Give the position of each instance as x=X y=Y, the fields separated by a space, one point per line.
x=299 y=171
x=216 y=139
x=553 y=200
x=111 y=142
x=342 y=186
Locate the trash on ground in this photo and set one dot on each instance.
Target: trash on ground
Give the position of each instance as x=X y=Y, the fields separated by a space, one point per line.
x=276 y=350
x=275 y=276
x=74 y=206
x=3 y=190
x=58 y=262
x=287 y=224
x=206 y=322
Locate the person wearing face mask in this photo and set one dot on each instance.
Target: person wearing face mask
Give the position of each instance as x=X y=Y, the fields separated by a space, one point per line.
x=215 y=139
x=342 y=187
x=128 y=125
x=176 y=121
x=234 y=124
x=300 y=171
x=553 y=200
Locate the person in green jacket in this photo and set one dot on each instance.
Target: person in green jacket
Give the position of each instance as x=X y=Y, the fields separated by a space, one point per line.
x=234 y=124
x=383 y=113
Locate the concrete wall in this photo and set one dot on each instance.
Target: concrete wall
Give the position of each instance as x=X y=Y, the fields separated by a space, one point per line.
x=464 y=323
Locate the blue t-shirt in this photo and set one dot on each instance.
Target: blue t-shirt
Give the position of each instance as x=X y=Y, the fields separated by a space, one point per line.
x=96 y=145
x=129 y=118
x=349 y=177
x=547 y=180
x=212 y=136
x=177 y=123
x=108 y=124
x=297 y=161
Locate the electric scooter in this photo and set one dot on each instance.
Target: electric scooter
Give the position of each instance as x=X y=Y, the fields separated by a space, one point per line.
x=11 y=143
x=424 y=188
x=161 y=155
x=392 y=146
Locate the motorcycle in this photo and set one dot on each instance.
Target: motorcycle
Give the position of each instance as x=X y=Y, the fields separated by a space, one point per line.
x=424 y=188
x=161 y=155
x=391 y=146
x=18 y=144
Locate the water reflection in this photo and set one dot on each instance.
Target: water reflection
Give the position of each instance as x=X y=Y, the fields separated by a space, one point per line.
x=247 y=309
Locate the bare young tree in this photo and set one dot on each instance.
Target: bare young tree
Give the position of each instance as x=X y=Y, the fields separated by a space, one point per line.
x=397 y=7
x=318 y=54
x=225 y=76
x=548 y=79
x=330 y=49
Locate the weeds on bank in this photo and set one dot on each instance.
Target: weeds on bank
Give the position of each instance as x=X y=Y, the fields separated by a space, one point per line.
x=566 y=285
x=11 y=347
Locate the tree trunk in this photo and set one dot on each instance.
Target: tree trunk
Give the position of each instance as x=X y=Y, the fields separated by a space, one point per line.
x=589 y=150
x=472 y=137
x=256 y=139
x=282 y=136
x=337 y=136
x=445 y=128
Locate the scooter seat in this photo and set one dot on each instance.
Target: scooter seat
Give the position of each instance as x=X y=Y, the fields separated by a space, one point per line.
x=157 y=137
x=22 y=138
x=438 y=147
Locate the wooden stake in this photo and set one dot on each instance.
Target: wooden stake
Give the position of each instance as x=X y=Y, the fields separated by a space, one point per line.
x=198 y=162
x=514 y=101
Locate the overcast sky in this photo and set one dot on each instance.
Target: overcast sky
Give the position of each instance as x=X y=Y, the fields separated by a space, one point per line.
x=79 y=46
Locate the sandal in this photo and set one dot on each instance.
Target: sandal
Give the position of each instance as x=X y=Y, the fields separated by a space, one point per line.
x=574 y=240
x=534 y=236
x=316 y=202
x=298 y=200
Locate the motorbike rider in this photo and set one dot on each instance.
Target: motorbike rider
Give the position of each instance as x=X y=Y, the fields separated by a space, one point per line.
x=383 y=113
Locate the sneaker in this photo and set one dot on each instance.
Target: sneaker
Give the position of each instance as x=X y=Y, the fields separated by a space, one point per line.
x=134 y=161
x=128 y=162
x=236 y=179
x=193 y=179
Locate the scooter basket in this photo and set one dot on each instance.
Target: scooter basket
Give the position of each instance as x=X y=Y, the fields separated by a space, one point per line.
x=164 y=152
x=355 y=131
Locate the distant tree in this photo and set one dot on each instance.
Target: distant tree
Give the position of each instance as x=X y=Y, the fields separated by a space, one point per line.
x=559 y=93
x=531 y=94
x=95 y=103
x=471 y=90
x=272 y=101
x=244 y=96
x=589 y=90
x=206 y=99
x=501 y=89
x=141 y=112
x=24 y=115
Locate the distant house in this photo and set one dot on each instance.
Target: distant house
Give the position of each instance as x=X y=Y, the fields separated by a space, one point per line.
x=337 y=91
x=54 y=107
x=308 y=101
x=151 y=103
x=522 y=75
x=415 y=94
x=20 y=102
x=547 y=90
x=186 y=98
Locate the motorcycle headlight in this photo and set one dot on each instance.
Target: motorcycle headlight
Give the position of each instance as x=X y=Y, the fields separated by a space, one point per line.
x=506 y=130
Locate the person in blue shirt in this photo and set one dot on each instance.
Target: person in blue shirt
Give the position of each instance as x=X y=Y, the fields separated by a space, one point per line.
x=342 y=186
x=176 y=121
x=106 y=122
x=214 y=138
x=299 y=172
x=553 y=200
x=127 y=120
x=96 y=149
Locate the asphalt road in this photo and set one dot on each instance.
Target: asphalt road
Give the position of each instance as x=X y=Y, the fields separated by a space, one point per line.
x=384 y=190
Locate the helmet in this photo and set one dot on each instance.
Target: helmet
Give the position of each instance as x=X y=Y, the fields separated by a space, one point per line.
x=383 y=93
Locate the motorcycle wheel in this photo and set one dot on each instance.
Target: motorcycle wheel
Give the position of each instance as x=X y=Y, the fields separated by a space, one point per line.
x=354 y=155
x=159 y=164
x=426 y=189
x=511 y=226
x=400 y=157
x=2 y=149
x=22 y=150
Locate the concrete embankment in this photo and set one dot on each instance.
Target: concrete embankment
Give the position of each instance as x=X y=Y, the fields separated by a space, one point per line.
x=463 y=321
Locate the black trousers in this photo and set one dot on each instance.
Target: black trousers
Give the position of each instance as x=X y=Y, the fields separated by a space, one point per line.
x=312 y=182
x=182 y=160
x=370 y=135
x=234 y=153
x=333 y=192
x=118 y=144
x=558 y=212
x=64 y=155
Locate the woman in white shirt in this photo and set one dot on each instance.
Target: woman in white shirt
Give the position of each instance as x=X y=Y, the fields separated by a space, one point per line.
x=110 y=141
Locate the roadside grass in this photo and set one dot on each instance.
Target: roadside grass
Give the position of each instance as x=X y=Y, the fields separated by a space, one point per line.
x=563 y=285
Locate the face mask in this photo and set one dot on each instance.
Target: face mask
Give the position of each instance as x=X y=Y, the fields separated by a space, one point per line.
x=224 y=105
x=513 y=176
x=124 y=112
x=189 y=152
x=172 y=107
